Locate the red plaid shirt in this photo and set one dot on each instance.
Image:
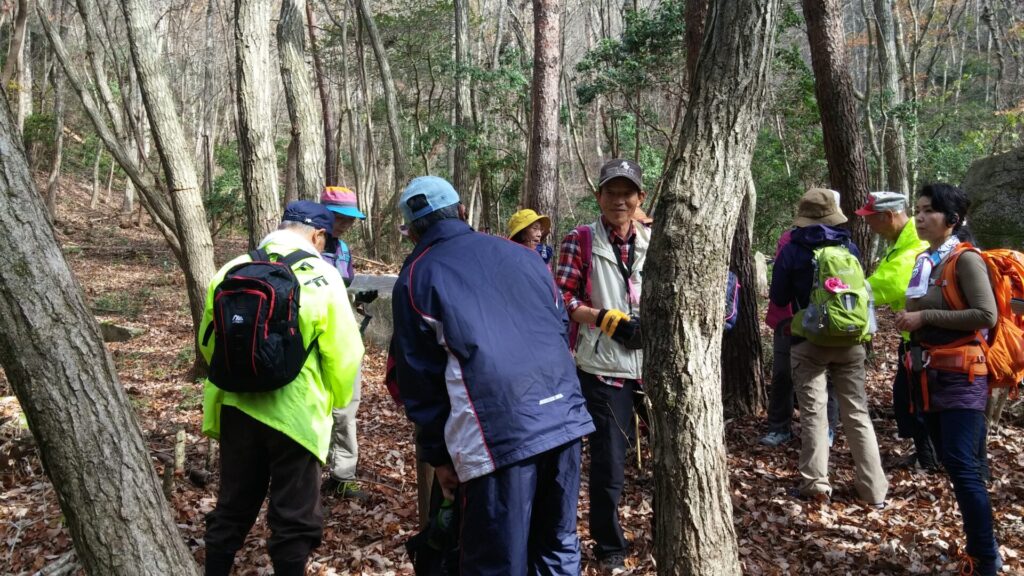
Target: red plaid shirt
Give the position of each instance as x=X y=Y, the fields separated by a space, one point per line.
x=569 y=273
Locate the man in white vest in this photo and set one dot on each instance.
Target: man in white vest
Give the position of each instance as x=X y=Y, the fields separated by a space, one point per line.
x=599 y=274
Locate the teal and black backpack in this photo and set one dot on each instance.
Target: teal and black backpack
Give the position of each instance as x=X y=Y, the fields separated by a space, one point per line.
x=841 y=308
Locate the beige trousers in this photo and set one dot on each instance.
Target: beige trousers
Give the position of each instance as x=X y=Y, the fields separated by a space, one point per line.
x=344 y=452
x=845 y=365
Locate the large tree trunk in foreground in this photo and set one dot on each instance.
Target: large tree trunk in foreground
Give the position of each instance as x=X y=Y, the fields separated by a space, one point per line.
x=686 y=268
x=743 y=390
x=89 y=440
x=306 y=128
x=542 y=173
x=840 y=126
x=255 y=131
x=175 y=155
x=742 y=367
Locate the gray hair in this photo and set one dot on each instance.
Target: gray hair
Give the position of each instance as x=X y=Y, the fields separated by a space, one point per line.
x=299 y=227
x=421 y=225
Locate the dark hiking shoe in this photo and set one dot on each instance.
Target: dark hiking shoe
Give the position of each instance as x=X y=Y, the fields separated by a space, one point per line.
x=612 y=564
x=775 y=438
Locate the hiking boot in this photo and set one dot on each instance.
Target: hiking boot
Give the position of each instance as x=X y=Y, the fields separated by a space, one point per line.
x=971 y=566
x=914 y=462
x=819 y=497
x=612 y=564
x=776 y=438
x=346 y=489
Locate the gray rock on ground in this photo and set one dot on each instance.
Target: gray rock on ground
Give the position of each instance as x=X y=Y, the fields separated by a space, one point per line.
x=379 y=330
x=114 y=333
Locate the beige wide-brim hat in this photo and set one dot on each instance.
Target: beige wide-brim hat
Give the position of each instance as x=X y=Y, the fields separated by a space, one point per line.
x=819 y=206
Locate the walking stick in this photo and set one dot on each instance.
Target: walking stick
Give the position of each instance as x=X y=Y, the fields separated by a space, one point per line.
x=639 y=457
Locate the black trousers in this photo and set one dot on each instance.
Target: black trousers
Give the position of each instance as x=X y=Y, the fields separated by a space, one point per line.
x=909 y=418
x=612 y=410
x=253 y=458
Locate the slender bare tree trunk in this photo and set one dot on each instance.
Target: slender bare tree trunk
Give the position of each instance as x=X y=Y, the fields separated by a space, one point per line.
x=206 y=137
x=57 y=82
x=542 y=171
x=79 y=414
x=833 y=86
x=255 y=132
x=330 y=123
x=306 y=129
x=892 y=97
x=463 y=114
x=23 y=108
x=390 y=94
x=291 y=178
x=175 y=155
x=16 y=52
x=95 y=199
x=686 y=268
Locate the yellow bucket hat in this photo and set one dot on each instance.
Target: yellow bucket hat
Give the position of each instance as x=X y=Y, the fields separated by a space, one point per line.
x=523 y=219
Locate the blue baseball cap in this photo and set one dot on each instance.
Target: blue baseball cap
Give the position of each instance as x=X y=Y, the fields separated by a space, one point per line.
x=309 y=213
x=425 y=195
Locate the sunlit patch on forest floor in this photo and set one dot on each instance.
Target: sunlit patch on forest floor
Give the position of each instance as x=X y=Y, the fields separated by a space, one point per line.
x=130 y=277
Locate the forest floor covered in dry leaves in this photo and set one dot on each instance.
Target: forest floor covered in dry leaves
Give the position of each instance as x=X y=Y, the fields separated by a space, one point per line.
x=130 y=277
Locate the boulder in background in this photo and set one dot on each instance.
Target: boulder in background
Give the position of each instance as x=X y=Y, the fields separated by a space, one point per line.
x=995 y=185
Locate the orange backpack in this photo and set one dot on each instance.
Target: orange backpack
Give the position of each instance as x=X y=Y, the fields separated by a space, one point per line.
x=1004 y=347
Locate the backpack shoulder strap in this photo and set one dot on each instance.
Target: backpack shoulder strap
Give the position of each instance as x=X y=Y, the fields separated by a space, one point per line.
x=343 y=252
x=294 y=258
x=259 y=255
x=586 y=237
x=947 y=280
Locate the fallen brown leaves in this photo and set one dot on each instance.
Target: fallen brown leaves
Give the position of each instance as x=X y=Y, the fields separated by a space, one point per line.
x=918 y=533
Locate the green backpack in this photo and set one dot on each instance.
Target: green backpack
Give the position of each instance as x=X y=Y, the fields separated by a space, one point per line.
x=841 y=308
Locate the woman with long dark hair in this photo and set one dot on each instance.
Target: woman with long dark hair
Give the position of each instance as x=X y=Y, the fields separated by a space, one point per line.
x=947 y=363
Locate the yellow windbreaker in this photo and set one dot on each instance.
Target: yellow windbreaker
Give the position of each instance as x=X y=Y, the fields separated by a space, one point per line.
x=890 y=280
x=301 y=409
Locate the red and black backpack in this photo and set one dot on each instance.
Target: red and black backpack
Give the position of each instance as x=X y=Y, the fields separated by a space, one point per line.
x=256 y=320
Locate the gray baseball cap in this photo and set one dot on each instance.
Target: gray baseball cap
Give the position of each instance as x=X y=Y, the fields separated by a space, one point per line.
x=619 y=168
x=883 y=202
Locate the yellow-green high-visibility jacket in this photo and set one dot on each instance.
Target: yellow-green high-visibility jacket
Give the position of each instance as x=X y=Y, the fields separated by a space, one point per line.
x=890 y=280
x=302 y=408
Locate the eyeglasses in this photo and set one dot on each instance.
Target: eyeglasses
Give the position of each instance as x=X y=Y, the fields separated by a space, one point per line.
x=403 y=229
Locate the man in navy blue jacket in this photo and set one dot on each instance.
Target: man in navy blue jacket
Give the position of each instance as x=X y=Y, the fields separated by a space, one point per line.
x=484 y=370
